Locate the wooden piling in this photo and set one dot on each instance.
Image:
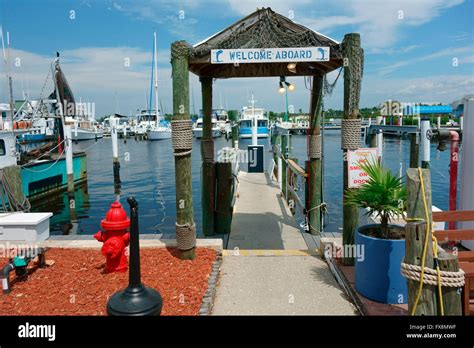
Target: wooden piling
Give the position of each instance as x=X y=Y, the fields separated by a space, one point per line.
x=315 y=164
x=416 y=237
x=115 y=160
x=414 y=150
x=223 y=217
x=452 y=300
x=350 y=212
x=207 y=158
x=183 y=179
x=69 y=159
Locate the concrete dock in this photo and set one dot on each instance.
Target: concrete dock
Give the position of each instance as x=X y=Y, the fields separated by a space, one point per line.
x=268 y=268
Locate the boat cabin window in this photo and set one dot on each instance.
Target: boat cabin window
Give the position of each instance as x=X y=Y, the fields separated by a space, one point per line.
x=2 y=147
x=262 y=123
x=246 y=123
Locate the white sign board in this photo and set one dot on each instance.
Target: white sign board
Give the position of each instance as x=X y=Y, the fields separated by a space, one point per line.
x=357 y=177
x=270 y=55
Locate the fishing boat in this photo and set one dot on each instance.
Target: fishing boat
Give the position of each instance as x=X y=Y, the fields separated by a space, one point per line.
x=42 y=170
x=245 y=122
x=222 y=119
x=161 y=129
x=197 y=130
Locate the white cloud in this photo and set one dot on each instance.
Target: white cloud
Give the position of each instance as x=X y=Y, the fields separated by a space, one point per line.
x=448 y=52
x=381 y=22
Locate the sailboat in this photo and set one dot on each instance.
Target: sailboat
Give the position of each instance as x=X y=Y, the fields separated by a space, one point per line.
x=161 y=129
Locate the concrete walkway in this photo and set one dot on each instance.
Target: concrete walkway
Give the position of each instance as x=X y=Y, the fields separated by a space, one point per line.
x=293 y=284
x=267 y=269
x=261 y=219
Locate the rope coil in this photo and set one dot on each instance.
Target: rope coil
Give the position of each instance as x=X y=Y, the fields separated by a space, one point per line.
x=350 y=134
x=185 y=236
x=182 y=137
x=430 y=276
x=314 y=149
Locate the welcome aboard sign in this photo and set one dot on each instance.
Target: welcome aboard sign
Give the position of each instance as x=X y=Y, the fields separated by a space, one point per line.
x=270 y=55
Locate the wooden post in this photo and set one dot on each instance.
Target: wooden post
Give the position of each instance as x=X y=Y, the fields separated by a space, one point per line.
x=315 y=164
x=452 y=301
x=414 y=150
x=207 y=158
x=415 y=240
x=284 y=177
x=13 y=175
x=184 y=192
x=224 y=178
x=350 y=212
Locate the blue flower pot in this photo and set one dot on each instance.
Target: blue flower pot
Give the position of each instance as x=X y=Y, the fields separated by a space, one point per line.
x=377 y=269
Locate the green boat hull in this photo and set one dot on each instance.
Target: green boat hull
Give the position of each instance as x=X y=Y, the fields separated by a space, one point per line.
x=39 y=179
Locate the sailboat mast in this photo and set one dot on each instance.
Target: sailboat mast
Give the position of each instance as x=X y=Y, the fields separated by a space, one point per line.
x=6 y=58
x=155 y=56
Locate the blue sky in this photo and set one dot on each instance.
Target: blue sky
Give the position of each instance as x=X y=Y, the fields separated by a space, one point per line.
x=416 y=50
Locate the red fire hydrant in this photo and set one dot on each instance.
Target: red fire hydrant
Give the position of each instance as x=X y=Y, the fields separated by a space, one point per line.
x=115 y=237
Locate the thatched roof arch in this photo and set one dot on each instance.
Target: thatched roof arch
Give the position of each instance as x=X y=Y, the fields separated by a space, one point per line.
x=263 y=28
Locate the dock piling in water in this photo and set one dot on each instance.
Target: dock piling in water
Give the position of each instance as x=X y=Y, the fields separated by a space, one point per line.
x=69 y=154
x=115 y=161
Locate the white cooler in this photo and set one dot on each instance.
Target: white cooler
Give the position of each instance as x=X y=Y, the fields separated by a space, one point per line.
x=24 y=226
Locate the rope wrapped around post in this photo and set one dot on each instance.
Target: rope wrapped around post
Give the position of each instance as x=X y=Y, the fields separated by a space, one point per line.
x=314 y=150
x=185 y=236
x=182 y=137
x=350 y=134
x=207 y=150
x=430 y=277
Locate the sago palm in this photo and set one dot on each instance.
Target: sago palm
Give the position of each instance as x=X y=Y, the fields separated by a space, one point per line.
x=383 y=194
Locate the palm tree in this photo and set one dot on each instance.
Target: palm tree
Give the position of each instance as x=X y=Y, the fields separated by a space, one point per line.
x=383 y=194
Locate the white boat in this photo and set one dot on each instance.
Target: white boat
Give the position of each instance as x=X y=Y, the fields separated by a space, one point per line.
x=84 y=129
x=245 y=123
x=197 y=130
x=222 y=119
x=160 y=132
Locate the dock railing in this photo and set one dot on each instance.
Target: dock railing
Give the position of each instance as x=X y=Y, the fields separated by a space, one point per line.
x=290 y=175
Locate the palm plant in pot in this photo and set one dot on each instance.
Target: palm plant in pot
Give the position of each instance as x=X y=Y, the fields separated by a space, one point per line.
x=377 y=270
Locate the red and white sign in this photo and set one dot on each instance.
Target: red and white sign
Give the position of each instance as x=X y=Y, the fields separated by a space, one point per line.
x=357 y=177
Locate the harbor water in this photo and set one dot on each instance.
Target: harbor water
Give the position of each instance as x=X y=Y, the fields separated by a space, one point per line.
x=147 y=173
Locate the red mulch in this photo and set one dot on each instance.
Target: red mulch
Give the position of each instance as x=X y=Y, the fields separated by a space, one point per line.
x=76 y=283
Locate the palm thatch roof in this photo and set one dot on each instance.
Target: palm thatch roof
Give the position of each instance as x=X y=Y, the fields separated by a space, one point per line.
x=263 y=28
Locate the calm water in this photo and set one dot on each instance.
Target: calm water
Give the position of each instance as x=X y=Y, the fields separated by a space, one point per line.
x=147 y=172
